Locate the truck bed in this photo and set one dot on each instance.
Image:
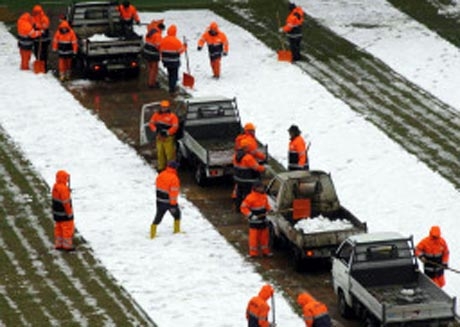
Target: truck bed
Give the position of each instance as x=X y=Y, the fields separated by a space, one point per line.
x=393 y=303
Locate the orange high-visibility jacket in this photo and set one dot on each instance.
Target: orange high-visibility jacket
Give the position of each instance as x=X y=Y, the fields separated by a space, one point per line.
x=40 y=19
x=26 y=31
x=297 y=157
x=436 y=251
x=168 y=186
x=252 y=145
x=314 y=312
x=257 y=309
x=61 y=200
x=165 y=120
x=65 y=43
x=216 y=39
x=255 y=204
x=152 y=43
x=171 y=48
x=246 y=168
x=128 y=14
x=294 y=23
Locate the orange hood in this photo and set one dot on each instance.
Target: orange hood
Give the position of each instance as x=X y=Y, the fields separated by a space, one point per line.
x=266 y=292
x=304 y=298
x=62 y=177
x=172 y=30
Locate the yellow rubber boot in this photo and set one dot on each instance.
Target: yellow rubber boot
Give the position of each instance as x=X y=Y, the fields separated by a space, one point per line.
x=176 y=226
x=153 y=230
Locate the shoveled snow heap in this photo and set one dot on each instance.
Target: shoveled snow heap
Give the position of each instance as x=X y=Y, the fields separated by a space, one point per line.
x=322 y=224
x=101 y=38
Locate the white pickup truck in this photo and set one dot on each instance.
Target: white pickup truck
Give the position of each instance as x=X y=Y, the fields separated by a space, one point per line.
x=376 y=278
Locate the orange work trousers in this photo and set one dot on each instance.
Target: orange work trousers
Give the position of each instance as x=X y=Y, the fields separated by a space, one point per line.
x=65 y=65
x=153 y=73
x=439 y=280
x=63 y=234
x=25 y=58
x=259 y=241
x=215 y=65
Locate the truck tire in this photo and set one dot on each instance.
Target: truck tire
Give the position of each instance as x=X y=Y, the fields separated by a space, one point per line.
x=297 y=259
x=344 y=309
x=200 y=175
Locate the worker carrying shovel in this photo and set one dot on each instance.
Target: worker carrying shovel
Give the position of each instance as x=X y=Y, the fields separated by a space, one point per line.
x=257 y=309
x=293 y=29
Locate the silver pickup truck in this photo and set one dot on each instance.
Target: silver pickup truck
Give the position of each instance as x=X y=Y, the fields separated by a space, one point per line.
x=376 y=278
x=104 y=47
x=315 y=233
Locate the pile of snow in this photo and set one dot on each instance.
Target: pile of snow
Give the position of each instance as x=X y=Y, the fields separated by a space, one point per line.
x=101 y=38
x=322 y=224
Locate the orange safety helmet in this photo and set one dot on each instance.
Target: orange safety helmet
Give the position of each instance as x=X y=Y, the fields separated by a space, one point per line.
x=249 y=127
x=164 y=104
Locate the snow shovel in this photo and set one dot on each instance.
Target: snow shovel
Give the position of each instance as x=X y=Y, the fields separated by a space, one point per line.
x=283 y=54
x=39 y=65
x=187 y=79
x=273 y=311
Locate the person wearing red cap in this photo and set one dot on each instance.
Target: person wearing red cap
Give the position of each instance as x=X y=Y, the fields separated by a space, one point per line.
x=249 y=134
x=168 y=187
x=217 y=46
x=165 y=124
x=434 y=253
x=314 y=312
x=257 y=309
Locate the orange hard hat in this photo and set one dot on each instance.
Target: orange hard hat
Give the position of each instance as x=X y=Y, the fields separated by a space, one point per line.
x=164 y=104
x=249 y=127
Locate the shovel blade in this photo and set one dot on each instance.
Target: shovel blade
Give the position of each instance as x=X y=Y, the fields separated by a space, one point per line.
x=188 y=80
x=301 y=208
x=39 y=66
x=284 y=55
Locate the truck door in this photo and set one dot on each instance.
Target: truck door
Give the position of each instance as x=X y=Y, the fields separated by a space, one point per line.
x=341 y=267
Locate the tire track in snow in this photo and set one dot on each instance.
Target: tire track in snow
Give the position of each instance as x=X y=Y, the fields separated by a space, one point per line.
x=16 y=226
x=418 y=121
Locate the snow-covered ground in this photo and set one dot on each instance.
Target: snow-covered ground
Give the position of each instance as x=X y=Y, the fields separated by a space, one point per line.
x=405 y=45
x=115 y=203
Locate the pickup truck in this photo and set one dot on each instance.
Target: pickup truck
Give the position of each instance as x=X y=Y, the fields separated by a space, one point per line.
x=104 y=48
x=317 y=229
x=208 y=127
x=376 y=278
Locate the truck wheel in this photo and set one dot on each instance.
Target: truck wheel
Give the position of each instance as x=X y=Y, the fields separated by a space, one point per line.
x=200 y=175
x=344 y=309
x=275 y=242
x=297 y=260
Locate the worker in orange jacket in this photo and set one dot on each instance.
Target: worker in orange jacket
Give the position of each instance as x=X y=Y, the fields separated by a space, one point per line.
x=168 y=187
x=170 y=49
x=64 y=227
x=249 y=134
x=26 y=36
x=217 y=46
x=128 y=16
x=434 y=253
x=257 y=309
x=42 y=22
x=66 y=45
x=246 y=172
x=151 y=51
x=255 y=208
x=298 y=150
x=164 y=124
x=293 y=29
x=314 y=312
